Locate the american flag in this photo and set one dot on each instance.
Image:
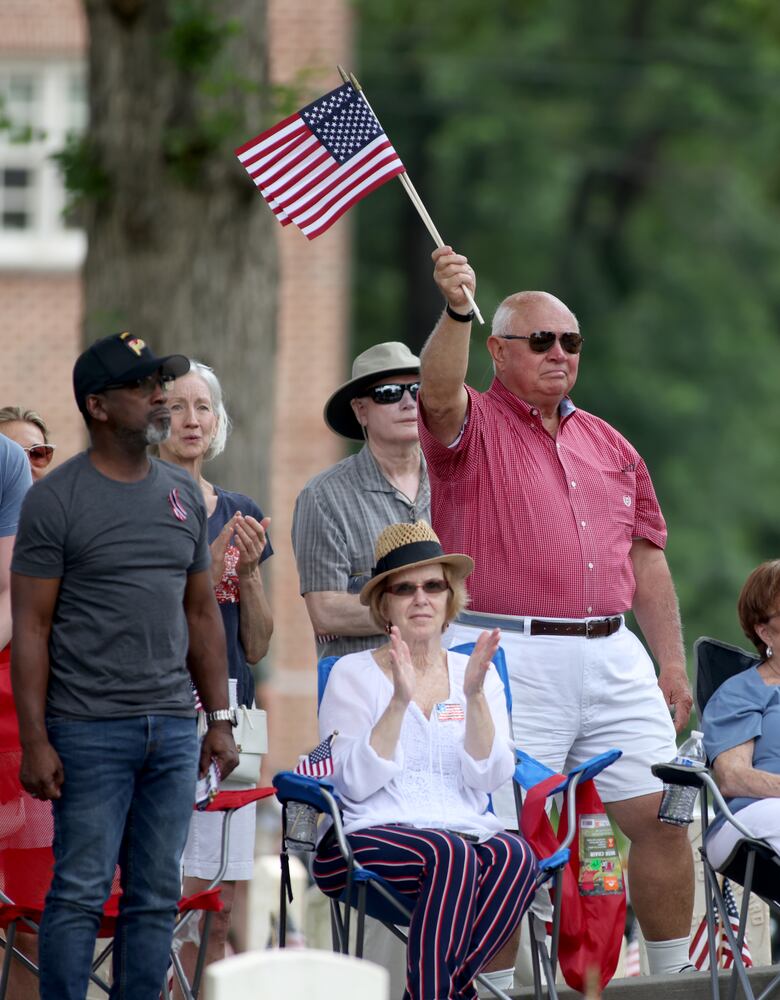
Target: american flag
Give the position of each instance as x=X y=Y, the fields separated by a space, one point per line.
x=727 y=955
x=317 y=163
x=318 y=763
x=700 y=950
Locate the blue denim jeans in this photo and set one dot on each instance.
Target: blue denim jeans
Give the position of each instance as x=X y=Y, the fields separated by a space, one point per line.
x=127 y=798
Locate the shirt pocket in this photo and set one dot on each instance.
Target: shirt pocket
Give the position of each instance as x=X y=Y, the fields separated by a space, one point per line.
x=620 y=491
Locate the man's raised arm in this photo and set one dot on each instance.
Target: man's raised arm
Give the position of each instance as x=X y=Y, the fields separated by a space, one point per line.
x=445 y=357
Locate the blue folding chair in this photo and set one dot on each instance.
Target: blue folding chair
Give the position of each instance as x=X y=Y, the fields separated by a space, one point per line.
x=382 y=902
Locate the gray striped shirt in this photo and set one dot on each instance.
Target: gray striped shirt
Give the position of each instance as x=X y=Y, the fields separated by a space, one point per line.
x=338 y=516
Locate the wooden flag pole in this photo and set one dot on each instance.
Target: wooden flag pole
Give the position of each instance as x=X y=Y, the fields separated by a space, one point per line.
x=412 y=193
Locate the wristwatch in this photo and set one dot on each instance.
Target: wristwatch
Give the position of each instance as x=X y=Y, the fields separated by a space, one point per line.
x=459 y=317
x=223 y=715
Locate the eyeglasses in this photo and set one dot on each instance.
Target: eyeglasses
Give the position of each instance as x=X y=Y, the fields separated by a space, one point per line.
x=145 y=385
x=40 y=454
x=392 y=392
x=542 y=340
x=408 y=589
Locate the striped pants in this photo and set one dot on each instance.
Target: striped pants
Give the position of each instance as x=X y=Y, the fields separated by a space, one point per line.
x=468 y=898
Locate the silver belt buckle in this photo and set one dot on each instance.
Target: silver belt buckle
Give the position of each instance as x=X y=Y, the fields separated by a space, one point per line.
x=588 y=625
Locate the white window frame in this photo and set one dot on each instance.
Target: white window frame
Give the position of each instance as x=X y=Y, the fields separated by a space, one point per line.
x=48 y=245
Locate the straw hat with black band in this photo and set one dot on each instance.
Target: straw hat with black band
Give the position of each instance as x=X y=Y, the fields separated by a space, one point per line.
x=378 y=362
x=406 y=546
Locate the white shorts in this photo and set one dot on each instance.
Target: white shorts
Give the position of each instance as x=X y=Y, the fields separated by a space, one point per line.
x=203 y=850
x=761 y=818
x=573 y=698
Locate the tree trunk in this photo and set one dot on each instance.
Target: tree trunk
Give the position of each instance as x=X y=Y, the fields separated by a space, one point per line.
x=181 y=246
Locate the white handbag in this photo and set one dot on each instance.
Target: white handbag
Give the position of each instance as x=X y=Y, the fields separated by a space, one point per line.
x=251 y=737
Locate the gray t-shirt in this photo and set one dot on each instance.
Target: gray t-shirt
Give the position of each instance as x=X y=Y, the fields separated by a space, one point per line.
x=122 y=552
x=15 y=480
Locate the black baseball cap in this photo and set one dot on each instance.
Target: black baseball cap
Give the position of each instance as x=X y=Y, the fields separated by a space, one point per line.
x=118 y=359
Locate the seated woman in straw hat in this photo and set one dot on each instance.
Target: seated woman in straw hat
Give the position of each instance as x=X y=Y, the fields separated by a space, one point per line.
x=423 y=739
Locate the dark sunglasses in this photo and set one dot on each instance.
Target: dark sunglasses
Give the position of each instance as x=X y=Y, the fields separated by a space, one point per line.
x=392 y=392
x=40 y=454
x=407 y=589
x=145 y=385
x=542 y=340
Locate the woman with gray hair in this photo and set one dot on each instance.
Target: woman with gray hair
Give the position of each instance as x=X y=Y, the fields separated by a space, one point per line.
x=237 y=536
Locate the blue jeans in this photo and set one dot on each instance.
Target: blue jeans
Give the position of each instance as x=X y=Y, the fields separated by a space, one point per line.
x=127 y=798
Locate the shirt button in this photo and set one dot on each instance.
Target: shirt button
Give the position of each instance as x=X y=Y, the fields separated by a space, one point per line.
x=573 y=484
x=590 y=610
x=590 y=565
x=534 y=412
x=582 y=524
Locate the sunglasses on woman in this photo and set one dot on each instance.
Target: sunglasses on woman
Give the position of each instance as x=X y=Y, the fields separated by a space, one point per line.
x=392 y=392
x=542 y=340
x=40 y=454
x=407 y=589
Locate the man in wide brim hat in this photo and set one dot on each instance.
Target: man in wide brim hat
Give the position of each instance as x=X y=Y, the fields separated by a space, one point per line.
x=340 y=512
x=379 y=362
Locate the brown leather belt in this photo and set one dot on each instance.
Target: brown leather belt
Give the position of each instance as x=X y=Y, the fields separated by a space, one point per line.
x=596 y=628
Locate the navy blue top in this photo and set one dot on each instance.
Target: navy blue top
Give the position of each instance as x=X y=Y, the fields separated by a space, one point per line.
x=744 y=708
x=228 y=590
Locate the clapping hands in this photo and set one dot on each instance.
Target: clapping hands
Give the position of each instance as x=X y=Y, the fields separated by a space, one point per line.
x=479 y=662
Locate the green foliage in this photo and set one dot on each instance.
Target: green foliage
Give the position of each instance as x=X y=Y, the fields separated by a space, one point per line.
x=196 y=34
x=623 y=155
x=84 y=178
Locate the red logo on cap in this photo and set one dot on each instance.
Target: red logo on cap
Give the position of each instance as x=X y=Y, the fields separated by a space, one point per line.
x=134 y=343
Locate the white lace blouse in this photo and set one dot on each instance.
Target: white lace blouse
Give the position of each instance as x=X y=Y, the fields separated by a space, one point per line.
x=431 y=780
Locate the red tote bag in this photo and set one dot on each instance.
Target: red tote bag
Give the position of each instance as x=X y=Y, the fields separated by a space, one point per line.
x=592 y=921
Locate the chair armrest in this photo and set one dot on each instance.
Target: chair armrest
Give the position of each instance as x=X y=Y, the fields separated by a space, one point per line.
x=680 y=774
x=699 y=777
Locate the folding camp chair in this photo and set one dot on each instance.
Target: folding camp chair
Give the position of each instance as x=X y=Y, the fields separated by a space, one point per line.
x=26 y=865
x=390 y=907
x=752 y=863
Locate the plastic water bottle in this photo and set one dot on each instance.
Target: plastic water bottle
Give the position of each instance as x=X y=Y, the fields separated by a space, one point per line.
x=678 y=801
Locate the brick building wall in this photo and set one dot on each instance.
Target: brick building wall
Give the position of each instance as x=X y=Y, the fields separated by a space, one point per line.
x=40 y=318
x=40 y=311
x=311 y=362
x=40 y=332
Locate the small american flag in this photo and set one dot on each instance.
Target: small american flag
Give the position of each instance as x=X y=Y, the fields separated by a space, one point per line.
x=317 y=163
x=727 y=956
x=318 y=763
x=449 y=711
x=699 y=951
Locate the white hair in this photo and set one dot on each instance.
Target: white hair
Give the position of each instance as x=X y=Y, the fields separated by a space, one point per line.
x=224 y=423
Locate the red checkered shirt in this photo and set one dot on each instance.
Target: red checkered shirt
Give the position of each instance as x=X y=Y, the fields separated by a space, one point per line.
x=548 y=521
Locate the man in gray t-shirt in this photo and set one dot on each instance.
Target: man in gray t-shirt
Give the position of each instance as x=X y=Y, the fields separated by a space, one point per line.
x=113 y=613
